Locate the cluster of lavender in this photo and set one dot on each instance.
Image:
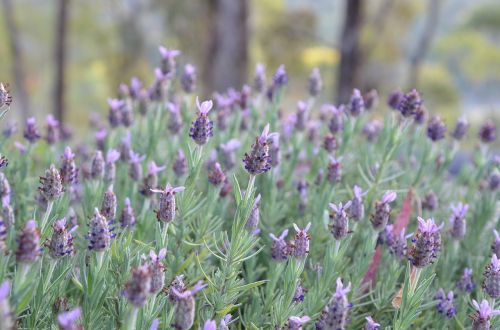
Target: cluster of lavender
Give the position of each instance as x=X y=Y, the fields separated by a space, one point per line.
x=164 y=171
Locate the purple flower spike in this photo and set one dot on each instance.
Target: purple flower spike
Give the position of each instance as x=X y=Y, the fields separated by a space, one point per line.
x=280 y=78
x=371 y=324
x=315 y=82
x=410 y=103
x=51 y=186
x=339 y=226
x=466 y=283
x=30 y=131
x=260 y=78
x=488 y=132
x=382 y=213
x=457 y=220
x=215 y=175
x=334 y=315
x=188 y=78
x=155 y=324
x=300 y=244
x=138 y=288
x=258 y=160
x=279 y=250
x=99 y=233
x=157 y=270
x=426 y=243
x=68 y=320
x=68 y=170
x=491 y=278
x=334 y=169
x=28 y=244
x=98 y=166
x=185 y=306
x=461 y=128
x=167 y=208
x=436 y=129
x=357 y=207
x=5 y=312
x=356 y=104
x=109 y=203
x=110 y=168
x=61 y=242
x=445 y=305
x=296 y=322
x=202 y=128
x=394 y=99
x=484 y=312
x=168 y=60
x=224 y=323
x=53 y=130
x=135 y=168
x=127 y=216
x=210 y=325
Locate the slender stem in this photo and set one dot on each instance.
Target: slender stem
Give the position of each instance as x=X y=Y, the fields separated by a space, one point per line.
x=132 y=319
x=337 y=247
x=50 y=204
x=164 y=235
x=100 y=258
x=22 y=271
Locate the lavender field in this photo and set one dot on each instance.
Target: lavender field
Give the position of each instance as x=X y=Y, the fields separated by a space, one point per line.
x=229 y=213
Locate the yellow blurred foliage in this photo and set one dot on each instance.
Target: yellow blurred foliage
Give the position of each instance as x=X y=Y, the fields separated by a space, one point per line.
x=319 y=56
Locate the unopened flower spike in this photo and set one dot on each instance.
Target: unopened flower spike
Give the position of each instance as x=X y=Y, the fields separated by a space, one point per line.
x=99 y=233
x=484 y=312
x=426 y=243
x=491 y=278
x=68 y=170
x=61 y=242
x=335 y=313
x=258 y=160
x=457 y=220
x=300 y=245
x=157 y=270
x=202 y=128
x=28 y=244
x=137 y=289
x=339 y=220
x=185 y=306
x=380 y=217
x=167 y=208
x=51 y=184
x=279 y=250
x=53 y=130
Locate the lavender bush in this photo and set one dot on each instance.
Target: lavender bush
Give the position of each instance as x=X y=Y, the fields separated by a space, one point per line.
x=333 y=217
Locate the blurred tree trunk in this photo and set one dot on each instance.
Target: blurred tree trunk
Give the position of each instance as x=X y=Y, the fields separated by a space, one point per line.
x=60 y=59
x=350 y=53
x=226 y=59
x=18 y=72
x=423 y=45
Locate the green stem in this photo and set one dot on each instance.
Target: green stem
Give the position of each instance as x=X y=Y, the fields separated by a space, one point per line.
x=132 y=319
x=45 y=219
x=100 y=258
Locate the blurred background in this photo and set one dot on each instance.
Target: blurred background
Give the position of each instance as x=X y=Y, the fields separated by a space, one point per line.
x=67 y=57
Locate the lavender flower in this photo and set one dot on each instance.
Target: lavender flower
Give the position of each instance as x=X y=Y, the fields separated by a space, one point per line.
x=280 y=77
x=491 y=278
x=488 y=132
x=52 y=136
x=135 y=87
x=97 y=166
x=382 y=213
x=51 y=184
x=210 y=325
x=127 y=114
x=202 y=128
x=5 y=312
x=445 y=305
x=185 y=307
x=258 y=161
x=334 y=315
x=315 y=82
x=409 y=103
x=457 y=220
x=178 y=284
x=175 y=119
x=466 y=283
x=108 y=204
x=334 y=169
x=430 y=201
x=426 y=243
x=253 y=219
x=228 y=153
x=135 y=166
x=143 y=101
x=494 y=180
x=30 y=131
x=481 y=320
x=125 y=147
x=302 y=186
x=436 y=129
x=127 y=216
x=260 y=78
x=301 y=116
x=110 y=168
x=370 y=99
x=157 y=270
x=61 y=242
x=151 y=180
x=28 y=244
x=357 y=208
x=137 y=290
x=395 y=99
x=300 y=243
x=5 y=190
x=99 y=233
x=461 y=128
x=420 y=116
x=372 y=129
x=371 y=324
x=180 y=164
x=68 y=170
x=100 y=138
x=5 y=97
x=279 y=250
x=168 y=60
x=157 y=91
x=215 y=175
x=296 y=323
x=339 y=222
x=224 y=323
x=356 y=104
x=336 y=123
x=188 y=78
x=330 y=143
x=167 y=208
x=495 y=246
x=299 y=294
x=115 y=112
x=68 y=320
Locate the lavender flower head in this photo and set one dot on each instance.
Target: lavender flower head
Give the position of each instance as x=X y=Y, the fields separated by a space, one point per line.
x=260 y=78
x=300 y=244
x=494 y=180
x=68 y=320
x=371 y=324
x=215 y=175
x=185 y=307
x=52 y=130
x=258 y=161
x=30 y=131
x=488 y=132
x=339 y=221
x=280 y=77
x=491 y=278
x=97 y=166
x=466 y=283
x=125 y=147
x=68 y=170
x=380 y=217
x=410 y=103
x=330 y=143
x=445 y=305
x=301 y=116
x=115 y=112
x=51 y=184
x=5 y=312
x=175 y=119
x=135 y=167
x=100 y=138
x=210 y=325
x=484 y=312
x=334 y=315
x=357 y=208
x=167 y=208
x=168 y=60
x=334 y=169
x=188 y=78
x=296 y=322
x=356 y=104
x=279 y=250
x=127 y=216
x=457 y=220
x=28 y=244
x=430 y=201
x=202 y=128
x=426 y=243
x=180 y=164
x=99 y=233
x=461 y=128
x=315 y=82
x=336 y=123
x=61 y=242
x=394 y=99
x=495 y=246
x=151 y=180
x=228 y=152
x=138 y=288
x=371 y=99
x=157 y=270
x=108 y=205
x=436 y=129
x=372 y=129
x=110 y=168
x=253 y=219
